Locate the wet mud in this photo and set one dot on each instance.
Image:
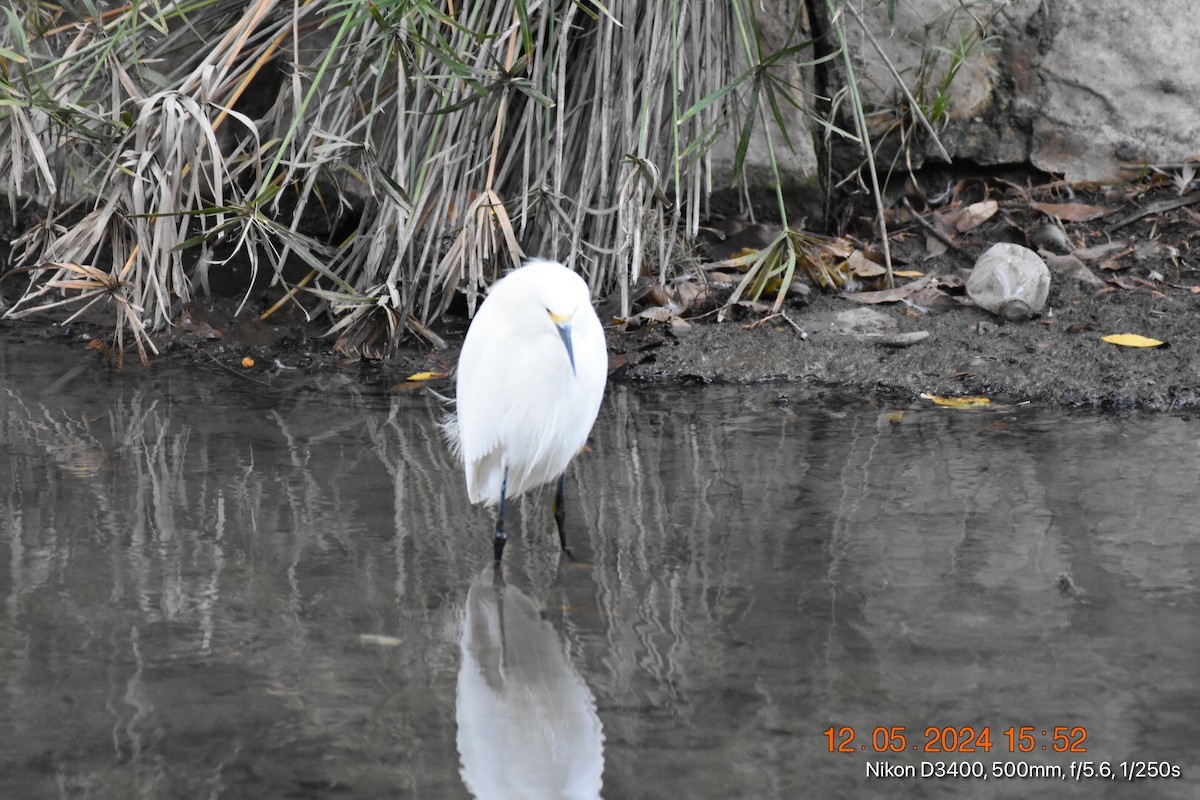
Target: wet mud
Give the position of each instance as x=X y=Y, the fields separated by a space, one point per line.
x=1059 y=360
x=831 y=345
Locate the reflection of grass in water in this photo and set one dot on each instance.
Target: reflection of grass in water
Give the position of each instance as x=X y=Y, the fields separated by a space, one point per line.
x=168 y=484
x=74 y=443
x=118 y=463
x=753 y=567
x=209 y=541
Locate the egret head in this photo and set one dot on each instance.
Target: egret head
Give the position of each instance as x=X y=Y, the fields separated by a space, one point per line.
x=561 y=299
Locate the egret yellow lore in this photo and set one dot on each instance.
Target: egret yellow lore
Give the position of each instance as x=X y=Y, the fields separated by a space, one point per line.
x=530 y=379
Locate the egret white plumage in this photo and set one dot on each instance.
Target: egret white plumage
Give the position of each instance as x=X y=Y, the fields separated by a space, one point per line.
x=531 y=376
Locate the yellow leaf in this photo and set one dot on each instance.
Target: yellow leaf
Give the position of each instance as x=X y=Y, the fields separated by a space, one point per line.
x=1131 y=340
x=426 y=376
x=972 y=401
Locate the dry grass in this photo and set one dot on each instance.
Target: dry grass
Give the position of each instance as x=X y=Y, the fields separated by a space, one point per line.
x=448 y=139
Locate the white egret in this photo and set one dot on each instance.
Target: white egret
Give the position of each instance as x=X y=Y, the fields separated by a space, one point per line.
x=531 y=375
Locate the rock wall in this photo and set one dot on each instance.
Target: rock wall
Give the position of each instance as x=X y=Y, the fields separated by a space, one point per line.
x=1094 y=90
x=1119 y=88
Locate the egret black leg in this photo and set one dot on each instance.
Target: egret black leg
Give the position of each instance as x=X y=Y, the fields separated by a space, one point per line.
x=501 y=537
x=560 y=513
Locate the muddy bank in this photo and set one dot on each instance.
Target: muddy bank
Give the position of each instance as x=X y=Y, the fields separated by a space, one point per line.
x=1059 y=360
x=826 y=343
x=1121 y=261
x=845 y=348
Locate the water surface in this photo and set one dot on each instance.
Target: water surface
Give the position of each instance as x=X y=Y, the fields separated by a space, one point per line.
x=215 y=588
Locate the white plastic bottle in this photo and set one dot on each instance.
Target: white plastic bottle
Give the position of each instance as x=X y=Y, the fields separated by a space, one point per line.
x=1011 y=281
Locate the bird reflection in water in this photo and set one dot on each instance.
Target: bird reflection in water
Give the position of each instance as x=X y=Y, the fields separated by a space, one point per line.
x=527 y=723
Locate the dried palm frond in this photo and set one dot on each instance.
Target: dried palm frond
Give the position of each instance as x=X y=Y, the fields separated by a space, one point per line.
x=773 y=268
x=94 y=286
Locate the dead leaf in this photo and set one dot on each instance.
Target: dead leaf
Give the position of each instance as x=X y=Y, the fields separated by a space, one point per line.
x=1050 y=236
x=692 y=294
x=931 y=300
x=1073 y=212
x=943 y=222
x=1131 y=340
x=642 y=287
x=1071 y=267
x=652 y=314
x=970 y=401
x=862 y=266
x=189 y=323
x=934 y=247
x=1151 y=248
x=890 y=295
x=426 y=376
x=1099 y=251
x=908 y=273
x=657 y=295
x=839 y=248
x=660 y=315
x=973 y=215
x=754 y=305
